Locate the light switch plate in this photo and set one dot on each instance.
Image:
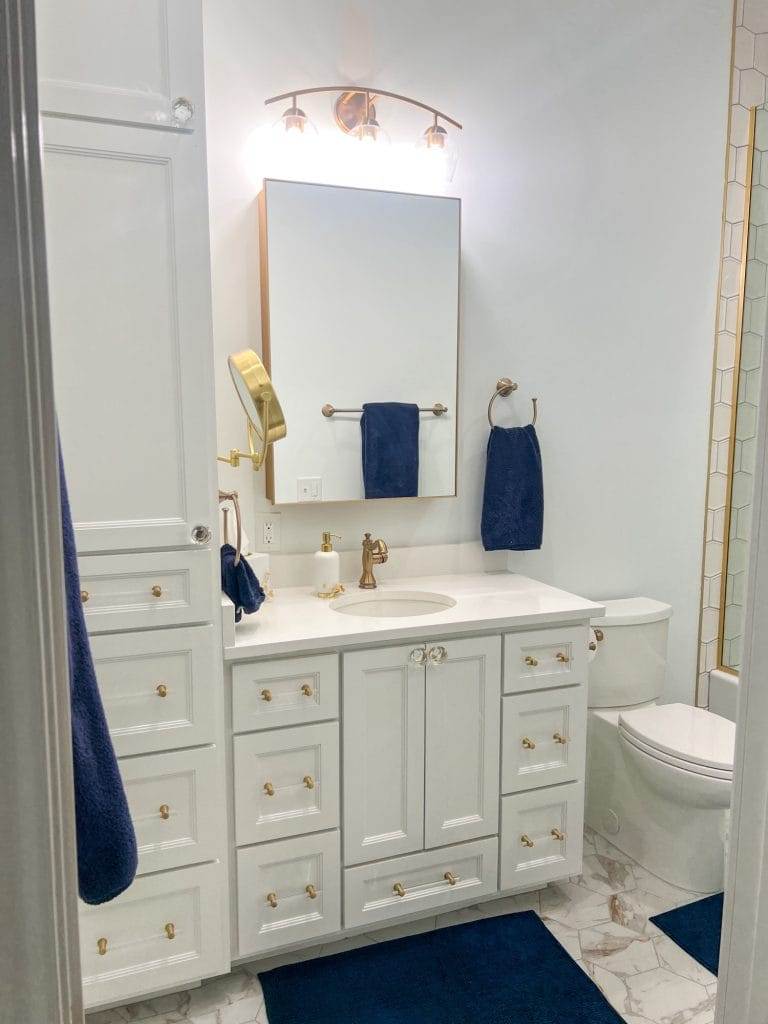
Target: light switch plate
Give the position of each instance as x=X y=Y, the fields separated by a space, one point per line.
x=309 y=488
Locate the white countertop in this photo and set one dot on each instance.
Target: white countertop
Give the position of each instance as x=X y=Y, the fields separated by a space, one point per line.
x=296 y=621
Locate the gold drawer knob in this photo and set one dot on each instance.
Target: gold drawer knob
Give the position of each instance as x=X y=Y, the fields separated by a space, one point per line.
x=157 y=590
x=527 y=841
x=170 y=930
x=528 y=743
x=530 y=661
x=559 y=738
x=599 y=635
x=450 y=878
x=558 y=835
x=311 y=891
x=272 y=899
x=562 y=658
x=266 y=695
x=101 y=946
x=592 y=645
x=165 y=812
x=84 y=595
x=308 y=781
x=161 y=690
x=307 y=690
x=269 y=789
x=398 y=889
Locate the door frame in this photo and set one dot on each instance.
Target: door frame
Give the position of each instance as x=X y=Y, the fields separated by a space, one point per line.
x=39 y=955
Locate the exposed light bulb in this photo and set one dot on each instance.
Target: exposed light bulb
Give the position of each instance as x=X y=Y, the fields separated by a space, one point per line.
x=438 y=149
x=294 y=123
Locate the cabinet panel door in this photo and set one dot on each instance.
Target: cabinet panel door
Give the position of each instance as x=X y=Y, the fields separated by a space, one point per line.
x=383 y=754
x=120 y=61
x=463 y=710
x=127 y=240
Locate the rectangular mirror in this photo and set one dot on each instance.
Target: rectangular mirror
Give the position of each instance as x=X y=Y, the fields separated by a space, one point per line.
x=360 y=296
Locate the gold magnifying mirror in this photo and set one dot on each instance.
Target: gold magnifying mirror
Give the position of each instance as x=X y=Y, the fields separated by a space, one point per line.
x=266 y=422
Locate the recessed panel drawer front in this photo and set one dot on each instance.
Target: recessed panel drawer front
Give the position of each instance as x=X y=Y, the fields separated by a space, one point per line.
x=166 y=930
x=138 y=591
x=543 y=738
x=541 y=835
x=419 y=881
x=288 y=891
x=287 y=691
x=286 y=782
x=175 y=805
x=542 y=658
x=157 y=687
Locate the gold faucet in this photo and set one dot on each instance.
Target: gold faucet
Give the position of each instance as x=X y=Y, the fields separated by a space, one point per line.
x=374 y=553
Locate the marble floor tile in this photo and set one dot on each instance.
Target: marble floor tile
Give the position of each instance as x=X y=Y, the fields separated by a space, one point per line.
x=601 y=918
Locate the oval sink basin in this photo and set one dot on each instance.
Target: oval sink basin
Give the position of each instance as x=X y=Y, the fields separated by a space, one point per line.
x=392 y=604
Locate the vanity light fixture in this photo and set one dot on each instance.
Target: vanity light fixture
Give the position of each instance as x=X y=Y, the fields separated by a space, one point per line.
x=294 y=122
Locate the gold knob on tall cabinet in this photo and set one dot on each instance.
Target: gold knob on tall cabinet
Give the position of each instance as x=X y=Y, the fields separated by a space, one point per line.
x=530 y=661
x=528 y=743
x=311 y=891
x=559 y=738
x=398 y=889
x=557 y=834
x=157 y=590
x=84 y=595
x=272 y=899
x=170 y=930
x=527 y=841
x=101 y=946
x=308 y=781
x=269 y=789
x=165 y=812
x=307 y=690
x=450 y=878
x=161 y=690
x=562 y=658
x=266 y=695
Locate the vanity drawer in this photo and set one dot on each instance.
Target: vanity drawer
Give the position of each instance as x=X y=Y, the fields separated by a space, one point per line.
x=420 y=881
x=157 y=687
x=543 y=738
x=163 y=932
x=542 y=658
x=136 y=591
x=288 y=891
x=288 y=691
x=174 y=800
x=541 y=835
x=286 y=782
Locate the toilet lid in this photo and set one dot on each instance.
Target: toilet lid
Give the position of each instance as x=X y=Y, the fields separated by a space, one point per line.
x=693 y=735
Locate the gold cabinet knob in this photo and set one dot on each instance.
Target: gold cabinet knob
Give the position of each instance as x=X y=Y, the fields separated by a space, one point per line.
x=592 y=645
x=562 y=658
x=307 y=690
x=450 y=878
x=157 y=590
x=311 y=891
x=272 y=899
x=165 y=812
x=84 y=595
x=599 y=634
x=530 y=661
x=170 y=930
x=398 y=889
x=557 y=834
x=266 y=695
x=161 y=690
x=528 y=743
x=101 y=946
x=527 y=841
x=308 y=781
x=269 y=789
x=559 y=738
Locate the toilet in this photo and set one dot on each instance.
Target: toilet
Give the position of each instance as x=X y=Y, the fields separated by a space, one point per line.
x=659 y=776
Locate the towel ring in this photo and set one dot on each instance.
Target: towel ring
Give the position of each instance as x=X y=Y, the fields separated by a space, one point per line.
x=504 y=388
x=233 y=497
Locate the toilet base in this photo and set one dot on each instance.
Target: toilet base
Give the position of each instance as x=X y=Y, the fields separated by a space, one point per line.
x=671 y=824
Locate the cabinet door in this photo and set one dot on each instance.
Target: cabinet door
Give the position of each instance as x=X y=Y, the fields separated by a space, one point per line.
x=383 y=753
x=463 y=709
x=127 y=239
x=121 y=61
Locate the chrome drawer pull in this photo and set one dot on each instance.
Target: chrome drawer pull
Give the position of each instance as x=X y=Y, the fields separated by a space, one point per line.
x=170 y=930
x=157 y=590
x=311 y=891
x=308 y=781
x=307 y=690
x=101 y=946
x=527 y=841
x=530 y=661
x=528 y=743
x=165 y=812
x=161 y=690
x=562 y=658
x=558 y=835
x=266 y=695
x=398 y=889
x=269 y=789
x=272 y=899
x=559 y=738
x=450 y=878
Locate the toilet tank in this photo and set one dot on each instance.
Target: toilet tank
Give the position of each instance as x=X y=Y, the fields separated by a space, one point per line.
x=630 y=661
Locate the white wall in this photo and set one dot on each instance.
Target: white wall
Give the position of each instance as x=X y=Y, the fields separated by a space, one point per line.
x=591 y=176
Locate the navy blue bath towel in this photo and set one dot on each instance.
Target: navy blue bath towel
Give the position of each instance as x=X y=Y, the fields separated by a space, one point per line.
x=106 y=842
x=513 y=498
x=240 y=583
x=390 y=435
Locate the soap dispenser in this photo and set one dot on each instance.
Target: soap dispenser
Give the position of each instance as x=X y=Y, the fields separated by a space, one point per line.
x=327 y=568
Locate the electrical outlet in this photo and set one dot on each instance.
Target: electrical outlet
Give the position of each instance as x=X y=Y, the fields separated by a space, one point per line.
x=269 y=531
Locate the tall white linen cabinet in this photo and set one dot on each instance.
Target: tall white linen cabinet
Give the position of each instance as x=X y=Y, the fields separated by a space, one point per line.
x=121 y=92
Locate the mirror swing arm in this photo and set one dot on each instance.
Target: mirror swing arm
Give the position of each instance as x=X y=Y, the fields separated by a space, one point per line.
x=256 y=458
x=264 y=416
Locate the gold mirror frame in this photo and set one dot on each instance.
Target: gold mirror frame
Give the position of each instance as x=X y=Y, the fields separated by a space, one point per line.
x=266 y=422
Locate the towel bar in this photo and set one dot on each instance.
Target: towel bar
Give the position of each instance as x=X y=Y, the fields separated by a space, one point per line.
x=438 y=409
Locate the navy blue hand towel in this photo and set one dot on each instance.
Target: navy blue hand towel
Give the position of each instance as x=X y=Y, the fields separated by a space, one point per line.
x=239 y=583
x=513 y=498
x=390 y=435
x=106 y=842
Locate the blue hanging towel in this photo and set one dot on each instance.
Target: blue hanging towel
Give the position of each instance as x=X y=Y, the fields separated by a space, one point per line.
x=513 y=497
x=240 y=583
x=390 y=436
x=106 y=842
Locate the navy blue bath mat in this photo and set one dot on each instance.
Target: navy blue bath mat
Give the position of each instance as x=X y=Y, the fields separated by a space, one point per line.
x=696 y=929
x=503 y=970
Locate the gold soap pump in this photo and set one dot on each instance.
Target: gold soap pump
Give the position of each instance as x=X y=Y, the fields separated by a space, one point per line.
x=327 y=568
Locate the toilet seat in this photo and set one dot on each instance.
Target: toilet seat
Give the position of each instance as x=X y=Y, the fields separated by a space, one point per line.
x=692 y=739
